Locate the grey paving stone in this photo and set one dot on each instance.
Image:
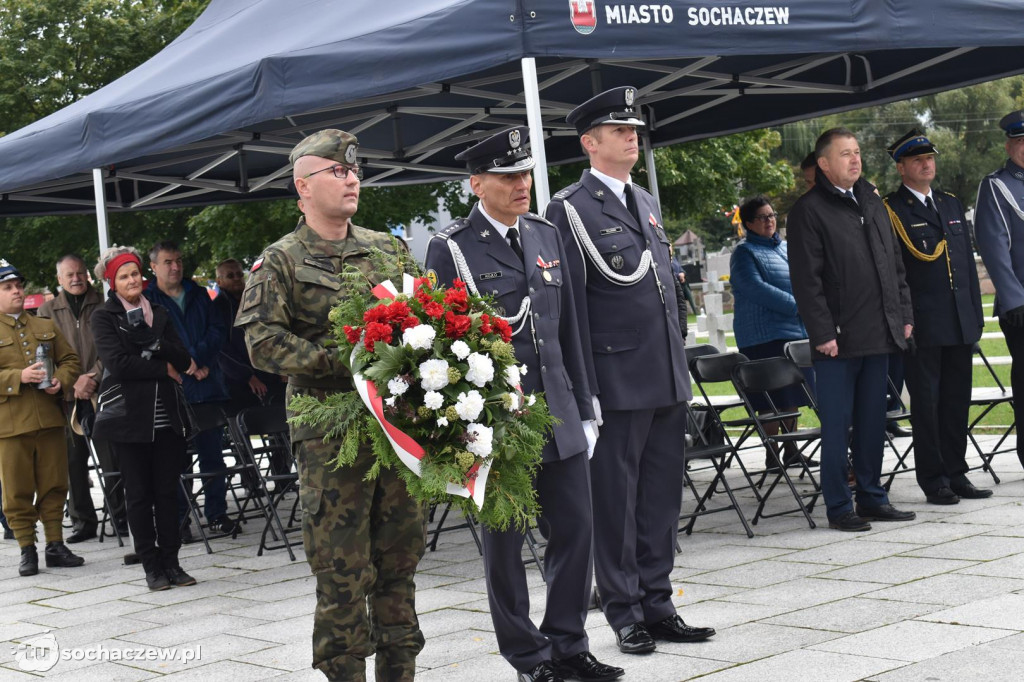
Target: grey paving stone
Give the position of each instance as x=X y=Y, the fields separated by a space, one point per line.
x=223 y=670
x=1002 y=611
x=950 y=589
x=802 y=593
x=711 y=558
x=208 y=650
x=91 y=597
x=66 y=618
x=457 y=647
x=930 y=533
x=853 y=614
x=1008 y=567
x=446 y=621
x=974 y=663
x=441 y=597
x=101 y=672
x=193 y=629
x=202 y=605
x=850 y=552
x=288 y=657
x=807 y=666
x=1008 y=513
x=911 y=640
x=895 y=570
x=753 y=641
x=977 y=548
x=488 y=666
x=757 y=574
x=303 y=605
x=724 y=614
x=295 y=631
x=276 y=591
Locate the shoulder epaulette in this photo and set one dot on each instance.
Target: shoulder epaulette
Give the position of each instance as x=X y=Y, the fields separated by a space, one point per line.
x=539 y=218
x=453 y=227
x=568 y=191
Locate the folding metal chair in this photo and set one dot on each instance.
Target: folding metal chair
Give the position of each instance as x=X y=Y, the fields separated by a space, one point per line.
x=261 y=434
x=116 y=483
x=468 y=522
x=763 y=377
x=700 y=448
x=987 y=399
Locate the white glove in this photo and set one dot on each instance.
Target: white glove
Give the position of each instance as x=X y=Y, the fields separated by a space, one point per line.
x=591 y=432
x=597 y=411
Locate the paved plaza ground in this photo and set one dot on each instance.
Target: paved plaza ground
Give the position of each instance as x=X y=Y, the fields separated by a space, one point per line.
x=939 y=598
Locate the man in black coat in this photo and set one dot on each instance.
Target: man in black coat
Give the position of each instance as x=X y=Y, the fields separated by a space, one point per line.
x=503 y=251
x=848 y=280
x=632 y=328
x=943 y=279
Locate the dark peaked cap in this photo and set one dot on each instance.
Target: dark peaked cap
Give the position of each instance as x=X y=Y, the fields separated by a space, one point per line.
x=611 y=106
x=914 y=143
x=1013 y=123
x=504 y=152
x=9 y=272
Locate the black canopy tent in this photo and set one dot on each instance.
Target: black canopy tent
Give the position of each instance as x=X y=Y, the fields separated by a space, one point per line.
x=211 y=118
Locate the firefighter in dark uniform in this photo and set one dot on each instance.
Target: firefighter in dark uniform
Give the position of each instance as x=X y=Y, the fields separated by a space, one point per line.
x=503 y=251
x=936 y=244
x=628 y=308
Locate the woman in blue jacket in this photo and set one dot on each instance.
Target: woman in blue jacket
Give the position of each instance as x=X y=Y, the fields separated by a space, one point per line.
x=765 y=316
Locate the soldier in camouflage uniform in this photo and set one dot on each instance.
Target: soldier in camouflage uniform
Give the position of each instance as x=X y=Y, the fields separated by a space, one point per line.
x=363 y=539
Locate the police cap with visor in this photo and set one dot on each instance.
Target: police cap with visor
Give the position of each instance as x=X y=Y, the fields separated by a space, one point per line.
x=1013 y=123
x=504 y=153
x=616 y=106
x=9 y=272
x=914 y=143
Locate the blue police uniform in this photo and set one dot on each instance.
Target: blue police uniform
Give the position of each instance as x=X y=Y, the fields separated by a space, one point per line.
x=620 y=270
x=999 y=231
x=547 y=342
x=947 y=310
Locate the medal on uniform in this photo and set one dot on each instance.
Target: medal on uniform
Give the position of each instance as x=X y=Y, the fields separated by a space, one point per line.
x=617 y=261
x=547 y=276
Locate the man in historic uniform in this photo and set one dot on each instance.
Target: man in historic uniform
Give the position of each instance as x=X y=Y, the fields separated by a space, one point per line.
x=618 y=257
x=936 y=244
x=999 y=231
x=515 y=256
x=363 y=539
x=33 y=453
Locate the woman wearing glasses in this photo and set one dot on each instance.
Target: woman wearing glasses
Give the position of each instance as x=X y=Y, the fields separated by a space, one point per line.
x=765 y=317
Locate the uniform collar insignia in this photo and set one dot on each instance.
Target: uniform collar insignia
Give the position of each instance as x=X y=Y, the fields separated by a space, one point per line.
x=485 y=234
x=599 y=193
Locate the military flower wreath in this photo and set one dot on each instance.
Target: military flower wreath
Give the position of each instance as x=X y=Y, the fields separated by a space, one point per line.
x=436 y=371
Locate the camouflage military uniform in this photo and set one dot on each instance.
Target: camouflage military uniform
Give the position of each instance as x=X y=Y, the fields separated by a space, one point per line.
x=363 y=539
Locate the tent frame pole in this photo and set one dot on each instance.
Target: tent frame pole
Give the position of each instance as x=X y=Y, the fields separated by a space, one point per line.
x=652 y=174
x=540 y=173
x=101 y=213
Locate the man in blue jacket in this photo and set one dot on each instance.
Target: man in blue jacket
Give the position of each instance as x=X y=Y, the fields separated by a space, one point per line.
x=202 y=329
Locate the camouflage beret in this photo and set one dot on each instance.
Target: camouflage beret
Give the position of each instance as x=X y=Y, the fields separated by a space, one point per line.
x=329 y=144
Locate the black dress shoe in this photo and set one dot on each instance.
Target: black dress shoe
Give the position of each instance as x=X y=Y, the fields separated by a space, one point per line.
x=131 y=558
x=8 y=534
x=675 y=629
x=59 y=556
x=967 y=491
x=583 y=666
x=29 y=561
x=635 y=639
x=543 y=672
x=884 y=512
x=81 y=535
x=849 y=522
x=157 y=581
x=897 y=431
x=942 y=496
x=178 y=577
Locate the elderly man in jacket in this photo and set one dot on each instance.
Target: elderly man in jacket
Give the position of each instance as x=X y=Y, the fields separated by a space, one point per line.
x=850 y=289
x=71 y=311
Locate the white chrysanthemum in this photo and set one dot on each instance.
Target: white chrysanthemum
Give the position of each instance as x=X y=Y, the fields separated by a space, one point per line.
x=532 y=400
x=522 y=370
x=420 y=337
x=433 y=375
x=433 y=400
x=442 y=421
x=469 y=405
x=512 y=375
x=390 y=401
x=513 y=402
x=461 y=349
x=480 y=439
x=481 y=369
x=398 y=386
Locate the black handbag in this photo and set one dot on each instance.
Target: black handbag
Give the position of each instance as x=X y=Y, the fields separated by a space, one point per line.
x=703 y=430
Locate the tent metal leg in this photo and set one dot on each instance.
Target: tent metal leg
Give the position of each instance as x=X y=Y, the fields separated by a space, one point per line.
x=540 y=174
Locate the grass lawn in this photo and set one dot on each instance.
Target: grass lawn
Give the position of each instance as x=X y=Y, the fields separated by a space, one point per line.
x=992 y=348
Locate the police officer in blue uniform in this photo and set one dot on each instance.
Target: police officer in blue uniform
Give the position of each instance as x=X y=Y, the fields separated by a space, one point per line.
x=999 y=231
x=503 y=251
x=628 y=308
x=936 y=245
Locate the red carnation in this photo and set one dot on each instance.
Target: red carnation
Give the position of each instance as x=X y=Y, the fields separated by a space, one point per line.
x=377 y=331
x=457 y=299
x=376 y=314
x=456 y=326
x=410 y=322
x=433 y=309
x=485 y=324
x=398 y=311
x=503 y=328
x=421 y=282
x=352 y=334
